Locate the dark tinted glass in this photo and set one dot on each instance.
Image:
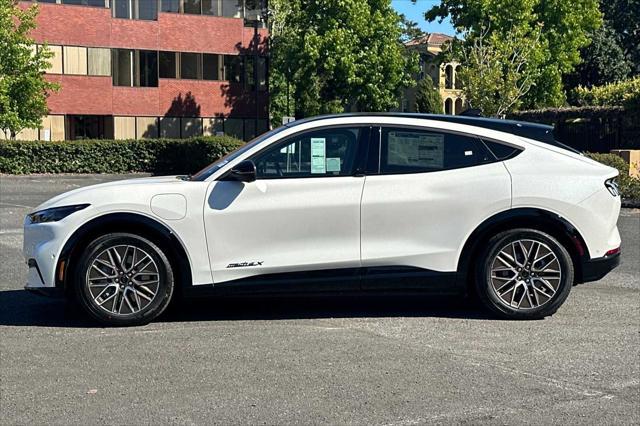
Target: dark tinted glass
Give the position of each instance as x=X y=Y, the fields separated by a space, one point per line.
x=122 y=61
x=122 y=8
x=233 y=68
x=189 y=65
x=417 y=151
x=148 y=68
x=499 y=150
x=210 y=7
x=328 y=152
x=167 y=66
x=210 y=67
x=148 y=10
x=192 y=6
x=170 y=6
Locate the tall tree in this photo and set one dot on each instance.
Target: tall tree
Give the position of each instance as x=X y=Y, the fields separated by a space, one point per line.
x=340 y=54
x=428 y=99
x=23 y=88
x=623 y=17
x=565 y=30
x=603 y=61
x=498 y=73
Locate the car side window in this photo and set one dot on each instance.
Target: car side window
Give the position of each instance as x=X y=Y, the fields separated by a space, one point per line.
x=420 y=151
x=319 y=153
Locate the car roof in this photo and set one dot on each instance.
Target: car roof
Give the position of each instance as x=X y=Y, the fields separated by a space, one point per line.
x=535 y=131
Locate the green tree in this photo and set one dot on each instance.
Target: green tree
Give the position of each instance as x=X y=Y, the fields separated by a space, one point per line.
x=623 y=17
x=428 y=100
x=498 y=73
x=23 y=88
x=603 y=61
x=338 y=55
x=565 y=29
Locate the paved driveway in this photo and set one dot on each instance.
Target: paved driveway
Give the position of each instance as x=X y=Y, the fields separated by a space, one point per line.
x=361 y=360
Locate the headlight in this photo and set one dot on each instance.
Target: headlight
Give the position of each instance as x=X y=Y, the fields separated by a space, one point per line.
x=54 y=214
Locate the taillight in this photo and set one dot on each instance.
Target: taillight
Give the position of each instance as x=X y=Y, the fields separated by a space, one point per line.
x=612 y=186
x=612 y=251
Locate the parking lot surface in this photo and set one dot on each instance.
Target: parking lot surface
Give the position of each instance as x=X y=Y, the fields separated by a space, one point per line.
x=338 y=360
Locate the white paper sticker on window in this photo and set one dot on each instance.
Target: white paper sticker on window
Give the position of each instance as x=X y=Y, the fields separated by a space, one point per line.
x=318 y=155
x=333 y=164
x=416 y=149
x=468 y=153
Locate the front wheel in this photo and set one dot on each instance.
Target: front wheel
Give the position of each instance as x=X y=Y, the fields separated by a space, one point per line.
x=524 y=274
x=123 y=279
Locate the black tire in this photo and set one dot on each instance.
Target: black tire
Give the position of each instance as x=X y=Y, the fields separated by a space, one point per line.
x=529 y=297
x=148 y=310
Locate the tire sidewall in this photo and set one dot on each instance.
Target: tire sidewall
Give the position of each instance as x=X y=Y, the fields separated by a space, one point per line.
x=149 y=312
x=483 y=274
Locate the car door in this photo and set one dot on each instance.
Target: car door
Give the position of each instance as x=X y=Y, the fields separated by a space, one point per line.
x=301 y=214
x=423 y=197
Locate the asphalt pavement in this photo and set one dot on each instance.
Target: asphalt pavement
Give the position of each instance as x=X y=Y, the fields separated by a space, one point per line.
x=327 y=360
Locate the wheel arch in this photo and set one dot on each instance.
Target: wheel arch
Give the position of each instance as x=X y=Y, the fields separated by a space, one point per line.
x=133 y=223
x=534 y=218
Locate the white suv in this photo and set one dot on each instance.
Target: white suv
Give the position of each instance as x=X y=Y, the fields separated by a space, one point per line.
x=366 y=202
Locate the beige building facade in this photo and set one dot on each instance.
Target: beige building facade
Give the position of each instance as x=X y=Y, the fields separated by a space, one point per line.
x=443 y=74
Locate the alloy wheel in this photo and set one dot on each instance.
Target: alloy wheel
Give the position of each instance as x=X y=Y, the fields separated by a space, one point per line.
x=525 y=274
x=123 y=280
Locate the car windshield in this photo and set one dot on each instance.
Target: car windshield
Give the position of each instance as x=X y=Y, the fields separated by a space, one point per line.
x=216 y=165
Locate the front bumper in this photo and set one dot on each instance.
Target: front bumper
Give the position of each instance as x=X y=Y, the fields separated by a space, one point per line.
x=596 y=269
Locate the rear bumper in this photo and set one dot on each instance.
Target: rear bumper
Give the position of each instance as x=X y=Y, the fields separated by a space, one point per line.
x=596 y=269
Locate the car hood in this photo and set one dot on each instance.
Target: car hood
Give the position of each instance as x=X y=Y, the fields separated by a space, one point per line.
x=109 y=192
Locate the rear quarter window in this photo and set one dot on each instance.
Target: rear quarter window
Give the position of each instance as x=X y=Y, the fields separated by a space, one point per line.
x=418 y=151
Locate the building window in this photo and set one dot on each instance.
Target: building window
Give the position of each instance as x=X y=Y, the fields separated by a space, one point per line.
x=168 y=64
x=122 y=60
x=99 y=61
x=55 y=60
x=89 y=127
x=172 y=6
x=93 y=3
x=232 y=8
x=254 y=10
x=147 y=68
x=135 y=9
x=192 y=7
x=147 y=10
x=211 y=7
x=190 y=65
x=135 y=67
x=75 y=60
x=233 y=68
x=210 y=66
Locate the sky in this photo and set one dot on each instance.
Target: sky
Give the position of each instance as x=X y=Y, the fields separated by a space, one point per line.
x=415 y=12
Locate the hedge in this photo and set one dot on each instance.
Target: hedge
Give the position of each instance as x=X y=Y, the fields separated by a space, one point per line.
x=629 y=186
x=158 y=156
x=624 y=93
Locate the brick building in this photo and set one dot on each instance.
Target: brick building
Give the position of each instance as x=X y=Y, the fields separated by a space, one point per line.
x=153 y=68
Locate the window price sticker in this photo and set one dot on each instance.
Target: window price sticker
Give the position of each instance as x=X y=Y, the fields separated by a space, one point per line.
x=318 y=155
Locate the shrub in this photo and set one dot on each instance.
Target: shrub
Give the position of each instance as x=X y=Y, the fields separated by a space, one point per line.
x=158 y=156
x=428 y=99
x=629 y=186
x=625 y=93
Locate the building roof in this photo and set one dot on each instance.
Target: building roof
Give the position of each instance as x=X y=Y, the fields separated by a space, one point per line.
x=430 y=39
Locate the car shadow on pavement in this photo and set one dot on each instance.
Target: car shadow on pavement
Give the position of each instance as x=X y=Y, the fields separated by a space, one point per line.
x=22 y=308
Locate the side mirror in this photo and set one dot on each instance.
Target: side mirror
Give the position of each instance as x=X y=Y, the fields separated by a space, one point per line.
x=244 y=171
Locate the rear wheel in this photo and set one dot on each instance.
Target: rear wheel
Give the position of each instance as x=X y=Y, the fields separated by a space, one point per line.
x=524 y=274
x=123 y=279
